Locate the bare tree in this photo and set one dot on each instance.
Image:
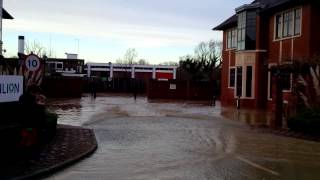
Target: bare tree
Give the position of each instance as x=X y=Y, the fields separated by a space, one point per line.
x=205 y=63
x=143 y=62
x=119 y=61
x=209 y=53
x=39 y=49
x=130 y=56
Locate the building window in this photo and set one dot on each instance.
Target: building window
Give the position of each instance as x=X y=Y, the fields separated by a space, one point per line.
x=59 y=66
x=286 y=81
x=241 y=30
x=297 y=21
x=278 y=26
x=232 y=39
x=288 y=24
x=244 y=82
x=249 y=81
x=232 y=74
x=239 y=82
x=229 y=37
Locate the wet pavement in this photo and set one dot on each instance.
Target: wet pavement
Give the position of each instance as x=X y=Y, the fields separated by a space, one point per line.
x=180 y=140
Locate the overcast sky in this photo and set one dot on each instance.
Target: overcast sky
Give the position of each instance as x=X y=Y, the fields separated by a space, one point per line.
x=160 y=31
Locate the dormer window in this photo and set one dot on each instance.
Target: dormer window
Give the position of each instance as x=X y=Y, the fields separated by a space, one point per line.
x=247 y=30
x=241 y=31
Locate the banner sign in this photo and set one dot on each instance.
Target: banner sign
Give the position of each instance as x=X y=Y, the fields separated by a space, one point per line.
x=11 y=88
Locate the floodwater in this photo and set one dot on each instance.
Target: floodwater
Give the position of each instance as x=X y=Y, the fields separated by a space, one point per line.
x=165 y=140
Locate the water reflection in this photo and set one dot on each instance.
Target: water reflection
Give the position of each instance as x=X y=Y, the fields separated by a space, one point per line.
x=81 y=111
x=177 y=140
x=254 y=118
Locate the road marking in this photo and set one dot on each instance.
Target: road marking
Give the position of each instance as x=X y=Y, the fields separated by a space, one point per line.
x=257 y=166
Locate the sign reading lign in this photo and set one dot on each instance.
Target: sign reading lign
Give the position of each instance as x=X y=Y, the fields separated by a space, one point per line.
x=11 y=88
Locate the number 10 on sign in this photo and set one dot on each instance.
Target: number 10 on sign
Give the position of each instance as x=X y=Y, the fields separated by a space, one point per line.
x=32 y=62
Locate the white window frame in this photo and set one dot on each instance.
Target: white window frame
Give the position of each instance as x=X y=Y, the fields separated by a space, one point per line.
x=244 y=81
x=233 y=39
x=292 y=10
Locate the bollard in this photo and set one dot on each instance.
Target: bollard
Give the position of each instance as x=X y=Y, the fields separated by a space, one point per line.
x=238 y=102
x=214 y=101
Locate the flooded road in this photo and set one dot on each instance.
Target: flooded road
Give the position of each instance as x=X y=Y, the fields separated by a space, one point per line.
x=165 y=140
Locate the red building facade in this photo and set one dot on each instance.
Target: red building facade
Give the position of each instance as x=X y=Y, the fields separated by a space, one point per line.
x=260 y=35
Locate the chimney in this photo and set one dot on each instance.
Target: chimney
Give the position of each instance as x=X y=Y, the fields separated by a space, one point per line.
x=21 y=45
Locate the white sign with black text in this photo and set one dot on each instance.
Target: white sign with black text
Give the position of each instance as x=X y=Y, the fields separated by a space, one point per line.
x=173 y=86
x=11 y=88
x=33 y=62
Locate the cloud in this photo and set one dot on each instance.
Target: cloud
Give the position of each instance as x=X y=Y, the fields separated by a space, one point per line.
x=128 y=34
x=144 y=24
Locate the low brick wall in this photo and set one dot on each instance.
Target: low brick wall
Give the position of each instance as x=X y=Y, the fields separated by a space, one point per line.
x=174 y=89
x=62 y=87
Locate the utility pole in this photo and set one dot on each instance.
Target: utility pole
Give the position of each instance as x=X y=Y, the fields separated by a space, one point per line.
x=1 y=43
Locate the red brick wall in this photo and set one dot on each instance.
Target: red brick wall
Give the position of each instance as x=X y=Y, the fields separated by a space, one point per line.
x=315 y=30
x=227 y=94
x=301 y=45
x=160 y=75
x=122 y=74
x=143 y=75
x=184 y=90
x=62 y=87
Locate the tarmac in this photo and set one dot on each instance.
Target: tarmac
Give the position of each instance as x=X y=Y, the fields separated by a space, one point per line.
x=70 y=145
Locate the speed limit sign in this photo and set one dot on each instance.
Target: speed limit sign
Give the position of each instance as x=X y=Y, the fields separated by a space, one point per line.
x=32 y=62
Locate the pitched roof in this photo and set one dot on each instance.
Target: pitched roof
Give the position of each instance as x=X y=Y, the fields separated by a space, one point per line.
x=264 y=5
x=230 y=22
x=6 y=15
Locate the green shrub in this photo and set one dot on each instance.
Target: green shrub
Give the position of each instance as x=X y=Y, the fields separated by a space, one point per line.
x=307 y=121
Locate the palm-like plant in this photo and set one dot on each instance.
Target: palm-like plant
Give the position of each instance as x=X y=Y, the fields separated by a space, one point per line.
x=310 y=93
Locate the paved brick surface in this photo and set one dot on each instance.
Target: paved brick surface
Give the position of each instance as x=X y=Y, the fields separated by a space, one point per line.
x=69 y=145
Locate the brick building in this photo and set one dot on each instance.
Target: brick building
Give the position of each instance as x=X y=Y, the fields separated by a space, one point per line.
x=260 y=35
